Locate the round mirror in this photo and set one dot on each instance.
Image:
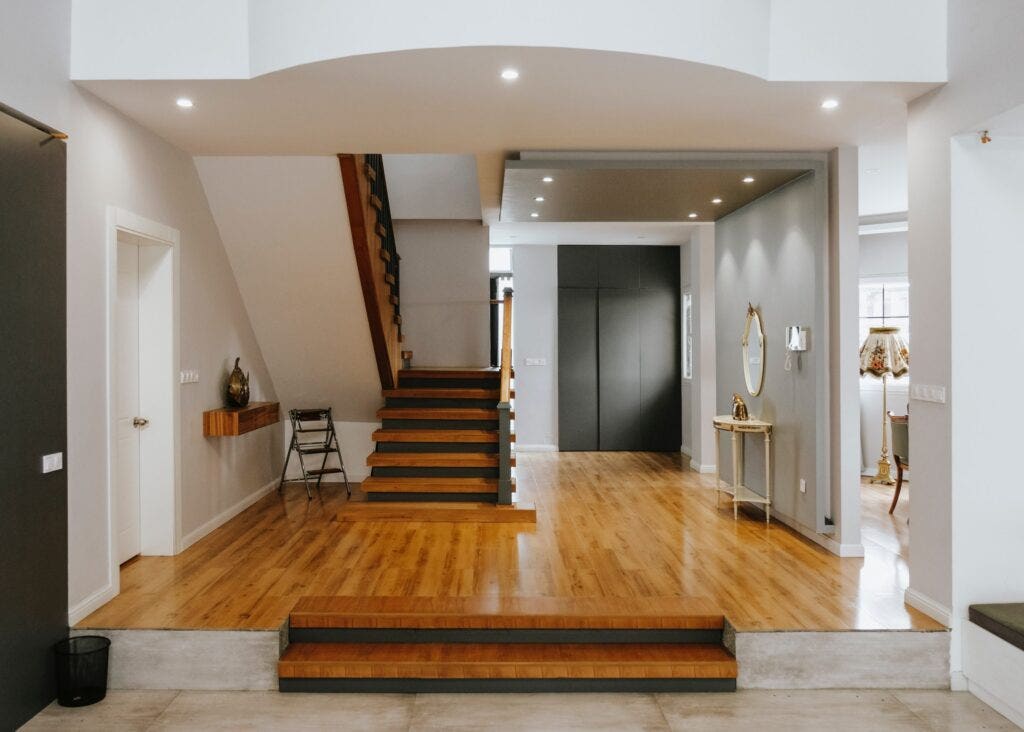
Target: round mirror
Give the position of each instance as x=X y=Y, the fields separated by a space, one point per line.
x=753 y=351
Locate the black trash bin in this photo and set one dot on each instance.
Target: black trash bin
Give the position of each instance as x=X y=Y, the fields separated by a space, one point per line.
x=82 y=670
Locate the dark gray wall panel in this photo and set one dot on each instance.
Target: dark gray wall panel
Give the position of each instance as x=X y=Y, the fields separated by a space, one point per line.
x=618 y=267
x=33 y=506
x=577 y=368
x=660 y=383
x=659 y=268
x=618 y=325
x=577 y=266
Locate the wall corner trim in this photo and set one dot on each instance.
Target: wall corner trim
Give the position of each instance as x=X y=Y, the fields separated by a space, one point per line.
x=92 y=603
x=934 y=610
x=226 y=515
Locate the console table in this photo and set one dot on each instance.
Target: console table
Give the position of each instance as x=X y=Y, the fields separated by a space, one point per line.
x=739 y=492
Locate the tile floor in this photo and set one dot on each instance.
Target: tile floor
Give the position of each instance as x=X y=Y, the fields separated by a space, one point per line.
x=835 y=711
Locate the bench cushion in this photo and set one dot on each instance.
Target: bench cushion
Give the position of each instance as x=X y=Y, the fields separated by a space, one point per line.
x=1005 y=620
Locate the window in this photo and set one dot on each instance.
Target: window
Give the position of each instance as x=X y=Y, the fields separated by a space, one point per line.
x=687 y=334
x=885 y=302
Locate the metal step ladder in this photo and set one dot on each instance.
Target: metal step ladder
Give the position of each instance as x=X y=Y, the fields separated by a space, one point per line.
x=317 y=421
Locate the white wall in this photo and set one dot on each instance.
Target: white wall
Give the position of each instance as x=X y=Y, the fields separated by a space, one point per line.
x=985 y=58
x=535 y=332
x=697 y=264
x=114 y=162
x=432 y=186
x=445 y=292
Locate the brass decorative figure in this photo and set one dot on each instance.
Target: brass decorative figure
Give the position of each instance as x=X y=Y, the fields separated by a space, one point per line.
x=238 y=386
x=739 y=409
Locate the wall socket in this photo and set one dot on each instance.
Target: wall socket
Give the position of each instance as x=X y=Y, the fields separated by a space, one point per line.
x=536 y=362
x=803 y=485
x=928 y=393
x=190 y=376
x=53 y=462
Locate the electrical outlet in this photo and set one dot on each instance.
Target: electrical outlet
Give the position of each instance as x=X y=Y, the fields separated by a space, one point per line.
x=803 y=485
x=53 y=462
x=536 y=362
x=928 y=393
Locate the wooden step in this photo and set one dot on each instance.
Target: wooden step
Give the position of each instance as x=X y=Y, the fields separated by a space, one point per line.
x=507 y=661
x=443 y=393
x=379 y=484
x=439 y=512
x=434 y=459
x=437 y=436
x=453 y=372
x=438 y=413
x=510 y=613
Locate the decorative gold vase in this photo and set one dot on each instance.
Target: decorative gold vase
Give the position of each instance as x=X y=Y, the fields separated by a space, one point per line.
x=739 y=409
x=238 y=387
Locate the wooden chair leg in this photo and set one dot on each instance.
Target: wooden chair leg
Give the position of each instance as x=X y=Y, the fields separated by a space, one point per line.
x=899 y=485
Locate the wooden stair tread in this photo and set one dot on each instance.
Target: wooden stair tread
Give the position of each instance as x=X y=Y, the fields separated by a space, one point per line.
x=435 y=459
x=440 y=413
x=581 y=613
x=450 y=372
x=383 y=435
x=506 y=660
x=445 y=512
x=442 y=393
x=383 y=484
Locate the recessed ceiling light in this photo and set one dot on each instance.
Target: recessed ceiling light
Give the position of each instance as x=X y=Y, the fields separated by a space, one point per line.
x=716 y=201
x=830 y=104
x=547 y=179
x=539 y=199
x=184 y=102
x=693 y=215
x=749 y=179
x=534 y=215
x=509 y=74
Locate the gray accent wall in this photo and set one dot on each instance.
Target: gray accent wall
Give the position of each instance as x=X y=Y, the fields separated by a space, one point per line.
x=772 y=254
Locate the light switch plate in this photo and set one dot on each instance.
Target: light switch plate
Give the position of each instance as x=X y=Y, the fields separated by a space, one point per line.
x=190 y=376
x=53 y=462
x=928 y=393
x=536 y=362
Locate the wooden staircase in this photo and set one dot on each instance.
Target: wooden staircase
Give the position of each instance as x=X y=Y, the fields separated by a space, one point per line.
x=481 y=644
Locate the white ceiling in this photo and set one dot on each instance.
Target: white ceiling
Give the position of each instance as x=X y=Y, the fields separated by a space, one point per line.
x=625 y=232
x=1008 y=124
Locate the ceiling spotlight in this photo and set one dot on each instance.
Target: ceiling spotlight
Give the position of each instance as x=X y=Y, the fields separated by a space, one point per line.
x=830 y=104
x=534 y=215
x=539 y=199
x=184 y=102
x=547 y=179
x=716 y=201
x=509 y=74
x=693 y=215
x=749 y=179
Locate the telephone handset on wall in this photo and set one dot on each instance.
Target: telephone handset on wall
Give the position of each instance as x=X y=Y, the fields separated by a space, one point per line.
x=796 y=342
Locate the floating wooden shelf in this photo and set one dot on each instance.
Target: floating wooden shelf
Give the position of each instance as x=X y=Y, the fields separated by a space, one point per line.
x=234 y=421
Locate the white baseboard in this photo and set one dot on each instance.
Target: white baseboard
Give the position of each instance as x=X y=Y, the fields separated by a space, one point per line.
x=536 y=448
x=934 y=610
x=957 y=681
x=92 y=603
x=226 y=515
x=694 y=465
x=823 y=540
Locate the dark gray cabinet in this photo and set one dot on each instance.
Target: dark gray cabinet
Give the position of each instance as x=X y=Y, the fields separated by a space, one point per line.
x=618 y=348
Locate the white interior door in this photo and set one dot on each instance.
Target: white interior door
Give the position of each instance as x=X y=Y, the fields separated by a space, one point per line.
x=127 y=474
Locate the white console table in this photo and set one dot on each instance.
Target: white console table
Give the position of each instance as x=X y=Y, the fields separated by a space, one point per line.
x=739 y=492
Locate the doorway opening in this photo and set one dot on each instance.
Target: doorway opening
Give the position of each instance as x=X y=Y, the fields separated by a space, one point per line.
x=143 y=459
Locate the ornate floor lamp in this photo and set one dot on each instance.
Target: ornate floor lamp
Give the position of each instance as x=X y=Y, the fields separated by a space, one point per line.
x=884 y=354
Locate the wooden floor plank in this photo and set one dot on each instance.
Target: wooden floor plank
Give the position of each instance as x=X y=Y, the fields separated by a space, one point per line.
x=439 y=512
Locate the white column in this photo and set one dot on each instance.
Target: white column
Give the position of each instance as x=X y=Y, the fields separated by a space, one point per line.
x=702 y=262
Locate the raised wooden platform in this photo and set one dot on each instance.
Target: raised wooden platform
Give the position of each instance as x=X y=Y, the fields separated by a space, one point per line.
x=488 y=513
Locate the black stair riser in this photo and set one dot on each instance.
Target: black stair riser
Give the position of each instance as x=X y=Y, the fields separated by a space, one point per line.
x=381 y=497
x=430 y=686
x=440 y=403
x=421 y=447
x=439 y=424
x=405 y=382
x=399 y=471
x=501 y=635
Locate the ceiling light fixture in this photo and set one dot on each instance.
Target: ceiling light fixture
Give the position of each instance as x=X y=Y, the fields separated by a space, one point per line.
x=539 y=199
x=534 y=215
x=749 y=179
x=693 y=215
x=716 y=201
x=830 y=104
x=547 y=179
x=509 y=74
x=184 y=102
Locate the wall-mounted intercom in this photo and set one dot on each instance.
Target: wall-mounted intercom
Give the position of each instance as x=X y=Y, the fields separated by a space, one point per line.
x=796 y=342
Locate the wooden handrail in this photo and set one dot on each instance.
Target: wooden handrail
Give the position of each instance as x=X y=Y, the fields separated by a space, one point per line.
x=506 y=347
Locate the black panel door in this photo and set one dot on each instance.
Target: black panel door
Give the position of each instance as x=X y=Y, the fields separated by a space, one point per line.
x=618 y=335
x=660 y=386
x=33 y=506
x=577 y=369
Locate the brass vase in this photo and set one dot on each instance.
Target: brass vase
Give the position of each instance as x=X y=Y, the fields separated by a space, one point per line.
x=238 y=387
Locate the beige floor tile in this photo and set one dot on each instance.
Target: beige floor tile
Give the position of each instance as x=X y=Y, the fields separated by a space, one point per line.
x=956 y=710
x=793 y=711
x=547 y=712
x=270 y=710
x=121 y=710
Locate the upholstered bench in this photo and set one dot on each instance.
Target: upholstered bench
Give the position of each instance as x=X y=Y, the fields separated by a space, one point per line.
x=994 y=656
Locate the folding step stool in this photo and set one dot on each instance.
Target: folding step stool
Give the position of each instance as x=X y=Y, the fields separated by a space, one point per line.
x=314 y=421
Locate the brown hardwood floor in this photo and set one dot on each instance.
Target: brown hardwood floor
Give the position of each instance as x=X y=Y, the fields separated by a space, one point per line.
x=614 y=525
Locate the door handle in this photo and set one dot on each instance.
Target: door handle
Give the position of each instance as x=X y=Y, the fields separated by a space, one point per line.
x=140 y=422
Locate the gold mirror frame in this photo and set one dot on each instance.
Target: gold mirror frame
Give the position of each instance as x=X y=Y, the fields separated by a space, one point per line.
x=753 y=321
